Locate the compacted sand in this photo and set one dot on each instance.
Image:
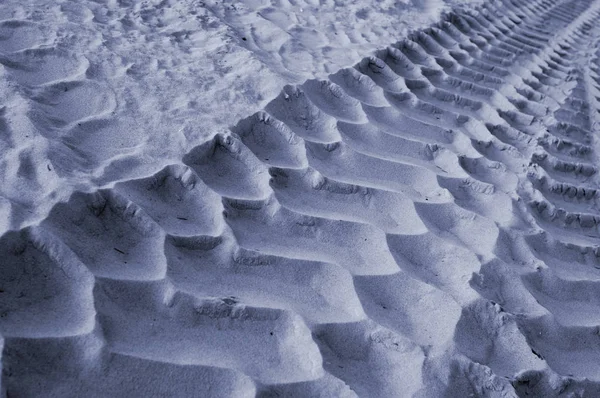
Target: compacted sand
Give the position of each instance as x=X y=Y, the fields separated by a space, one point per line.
x=424 y=223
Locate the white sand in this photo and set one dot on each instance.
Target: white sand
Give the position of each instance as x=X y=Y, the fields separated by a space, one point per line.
x=222 y=199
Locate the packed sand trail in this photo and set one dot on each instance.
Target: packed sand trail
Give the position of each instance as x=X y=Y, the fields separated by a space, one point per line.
x=425 y=223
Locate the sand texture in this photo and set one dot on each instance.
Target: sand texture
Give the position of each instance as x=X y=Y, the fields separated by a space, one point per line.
x=425 y=223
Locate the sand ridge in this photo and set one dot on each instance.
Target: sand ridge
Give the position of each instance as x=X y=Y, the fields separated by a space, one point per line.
x=422 y=224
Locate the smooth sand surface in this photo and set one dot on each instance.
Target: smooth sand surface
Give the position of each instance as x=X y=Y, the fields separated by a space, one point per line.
x=223 y=199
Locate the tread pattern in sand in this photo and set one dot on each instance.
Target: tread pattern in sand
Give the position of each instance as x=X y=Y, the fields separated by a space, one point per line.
x=424 y=223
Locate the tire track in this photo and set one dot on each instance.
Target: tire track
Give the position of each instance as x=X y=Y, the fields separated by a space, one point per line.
x=422 y=224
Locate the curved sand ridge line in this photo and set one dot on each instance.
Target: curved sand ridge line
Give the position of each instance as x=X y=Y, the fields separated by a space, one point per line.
x=54 y=120
x=422 y=224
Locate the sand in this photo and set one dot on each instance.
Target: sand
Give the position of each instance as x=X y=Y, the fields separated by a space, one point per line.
x=220 y=199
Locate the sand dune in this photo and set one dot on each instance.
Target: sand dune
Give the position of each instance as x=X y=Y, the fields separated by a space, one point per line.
x=424 y=223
